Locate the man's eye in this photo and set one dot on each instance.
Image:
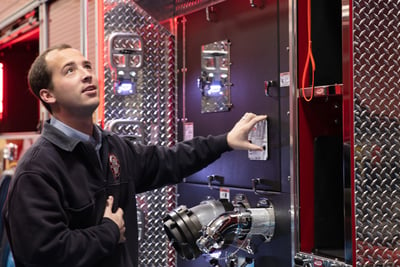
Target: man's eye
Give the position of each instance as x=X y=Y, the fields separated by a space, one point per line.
x=69 y=70
x=89 y=67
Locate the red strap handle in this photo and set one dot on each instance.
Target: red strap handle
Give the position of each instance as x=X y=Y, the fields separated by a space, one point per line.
x=310 y=56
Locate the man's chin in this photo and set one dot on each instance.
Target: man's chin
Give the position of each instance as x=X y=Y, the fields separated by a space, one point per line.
x=90 y=108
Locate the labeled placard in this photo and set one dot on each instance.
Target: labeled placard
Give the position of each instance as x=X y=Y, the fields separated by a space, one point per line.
x=259 y=136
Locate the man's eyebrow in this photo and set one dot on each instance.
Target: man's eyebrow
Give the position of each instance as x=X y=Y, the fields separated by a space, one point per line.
x=69 y=64
x=72 y=63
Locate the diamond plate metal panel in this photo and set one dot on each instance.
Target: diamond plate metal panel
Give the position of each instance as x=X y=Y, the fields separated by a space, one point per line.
x=377 y=132
x=152 y=111
x=164 y=9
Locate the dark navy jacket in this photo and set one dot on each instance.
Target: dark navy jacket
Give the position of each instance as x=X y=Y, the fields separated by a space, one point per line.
x=55 y=206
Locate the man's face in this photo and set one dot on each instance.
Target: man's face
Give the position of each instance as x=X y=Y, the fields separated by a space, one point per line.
x=74 y=83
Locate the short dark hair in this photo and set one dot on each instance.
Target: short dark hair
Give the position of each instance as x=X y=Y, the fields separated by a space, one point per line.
x=39 y=75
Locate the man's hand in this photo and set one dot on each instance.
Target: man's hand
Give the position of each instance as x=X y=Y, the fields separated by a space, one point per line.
x=238 y=136
x=116 y=217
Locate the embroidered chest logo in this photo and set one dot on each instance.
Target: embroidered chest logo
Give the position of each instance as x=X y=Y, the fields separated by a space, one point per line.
x=114 y=166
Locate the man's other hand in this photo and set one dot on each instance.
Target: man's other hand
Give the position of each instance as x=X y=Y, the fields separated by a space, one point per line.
x=116 y=217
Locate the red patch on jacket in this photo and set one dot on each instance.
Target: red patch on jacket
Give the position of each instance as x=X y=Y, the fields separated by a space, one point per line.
x=114 y=166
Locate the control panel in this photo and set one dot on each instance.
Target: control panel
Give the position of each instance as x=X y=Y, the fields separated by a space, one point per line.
x=310 y=260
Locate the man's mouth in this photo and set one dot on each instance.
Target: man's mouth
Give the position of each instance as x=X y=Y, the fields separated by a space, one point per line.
x=89 y=88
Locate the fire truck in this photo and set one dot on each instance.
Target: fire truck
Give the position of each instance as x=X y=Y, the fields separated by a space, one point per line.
x=326 y=189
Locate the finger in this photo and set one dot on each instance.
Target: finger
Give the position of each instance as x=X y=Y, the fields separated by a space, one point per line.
x=258 y=118
x=122 y=237
x=251 y=121
x=255 y=147
x=109 y=204
x=251 y=118
x=120 y=212
x=110 y=201
x=247 y=116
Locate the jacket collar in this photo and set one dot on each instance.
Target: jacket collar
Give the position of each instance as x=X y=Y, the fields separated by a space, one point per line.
x=58 y=138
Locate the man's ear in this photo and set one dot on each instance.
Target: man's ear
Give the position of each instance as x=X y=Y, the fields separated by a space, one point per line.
x=47 y=96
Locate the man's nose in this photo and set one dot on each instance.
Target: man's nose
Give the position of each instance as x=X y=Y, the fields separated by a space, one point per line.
x=87 y=75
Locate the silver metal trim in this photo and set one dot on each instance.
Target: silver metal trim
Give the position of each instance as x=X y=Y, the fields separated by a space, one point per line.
x=21 y=12
x=347 y=81
x=184 y=69
x=43 y=45
x=22 y=29
x=84 y=27
x=293 y=107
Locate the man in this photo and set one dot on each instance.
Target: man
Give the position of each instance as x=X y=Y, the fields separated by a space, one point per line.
x=72 y=199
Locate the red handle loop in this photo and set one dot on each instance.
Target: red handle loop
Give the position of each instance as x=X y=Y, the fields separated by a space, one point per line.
x=310 y=56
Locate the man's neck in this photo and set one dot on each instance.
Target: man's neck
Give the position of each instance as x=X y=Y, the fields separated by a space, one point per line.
x=84 y=125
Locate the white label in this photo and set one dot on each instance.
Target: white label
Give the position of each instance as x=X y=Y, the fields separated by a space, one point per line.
x=259 y=136
x=284 y=79
x=224 y=193
x=188 y=131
